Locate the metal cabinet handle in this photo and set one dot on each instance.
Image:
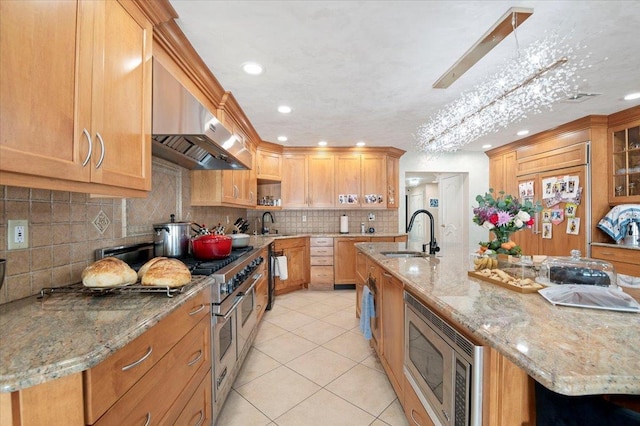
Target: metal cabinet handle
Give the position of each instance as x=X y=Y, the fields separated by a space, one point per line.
x=606 y=253
x=138 y=362
x=196 y=359
x=148 y=422
x=414 y=419
x=88 y=136
x=197 y=310
x=102 y=153
x=236 y=191
x=200 y=419
x=386 y=275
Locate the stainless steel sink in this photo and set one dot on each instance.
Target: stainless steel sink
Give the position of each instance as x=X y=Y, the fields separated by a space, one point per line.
x=404 y=254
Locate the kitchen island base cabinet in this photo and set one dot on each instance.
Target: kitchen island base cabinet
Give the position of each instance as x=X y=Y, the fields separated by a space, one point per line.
x=414 y=410
x=393 y=330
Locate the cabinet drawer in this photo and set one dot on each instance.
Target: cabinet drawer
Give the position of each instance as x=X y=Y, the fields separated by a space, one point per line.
x=321 y=251
x=617 y=254
x=322 y=261
x=322 y=274
x=413 y=408
x=198 y=410
x=151 y=398
x=285 y=243
x=105 y=383
x=321 y=242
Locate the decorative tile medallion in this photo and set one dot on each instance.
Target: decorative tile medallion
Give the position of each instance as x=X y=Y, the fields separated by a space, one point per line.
x=101 y=222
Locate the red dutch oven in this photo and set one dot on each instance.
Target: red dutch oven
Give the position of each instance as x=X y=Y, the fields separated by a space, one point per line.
x=208 y=247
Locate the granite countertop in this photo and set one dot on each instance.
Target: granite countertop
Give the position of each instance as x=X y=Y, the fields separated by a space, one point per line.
x=572 y=351
x=332 y=235
x=61 y=334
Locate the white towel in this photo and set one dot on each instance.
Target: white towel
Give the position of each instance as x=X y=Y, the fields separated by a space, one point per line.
x=279 y=267
x=367 y=311
x=616 y=221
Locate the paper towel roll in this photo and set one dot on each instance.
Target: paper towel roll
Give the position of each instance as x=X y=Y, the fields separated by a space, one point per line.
x=344 y=224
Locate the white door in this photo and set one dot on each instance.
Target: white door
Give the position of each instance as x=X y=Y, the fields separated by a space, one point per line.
x=453 y=208
x=416 y=202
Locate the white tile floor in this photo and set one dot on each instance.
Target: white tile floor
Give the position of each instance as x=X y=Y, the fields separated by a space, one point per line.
x=310 y=366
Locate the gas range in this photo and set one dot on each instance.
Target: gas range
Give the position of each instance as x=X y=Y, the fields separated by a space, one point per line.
x=229 y=276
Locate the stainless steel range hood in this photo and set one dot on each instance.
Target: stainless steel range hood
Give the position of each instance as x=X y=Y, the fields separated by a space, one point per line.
x=185 y=132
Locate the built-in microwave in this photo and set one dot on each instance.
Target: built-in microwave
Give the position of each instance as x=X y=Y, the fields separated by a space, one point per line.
x=443 y=367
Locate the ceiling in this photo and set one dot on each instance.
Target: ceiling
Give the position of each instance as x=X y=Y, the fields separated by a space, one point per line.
x=363 y=70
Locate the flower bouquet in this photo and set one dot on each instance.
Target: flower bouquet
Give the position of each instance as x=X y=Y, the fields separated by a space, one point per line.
x=503 y=215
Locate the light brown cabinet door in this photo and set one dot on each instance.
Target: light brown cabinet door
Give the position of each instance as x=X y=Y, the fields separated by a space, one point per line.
x=121 y=97
x=374 y=180
x=393 y=329
x=344 y=259
x=348 y=178
x=297 y=252
x=321 y=180
x=40 y=132
x=269 y=165
x=294 y=181
x=393 y=186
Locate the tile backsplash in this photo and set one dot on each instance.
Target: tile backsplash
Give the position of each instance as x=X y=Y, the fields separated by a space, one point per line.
x=65 y=228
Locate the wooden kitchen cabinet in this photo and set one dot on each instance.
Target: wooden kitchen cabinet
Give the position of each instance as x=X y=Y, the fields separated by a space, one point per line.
x=624 y=157
x=414 y=410
x=626 y=261
x=321 y=261
x=502 y=173
x=143 y=364
x=393 y=179
x=321 y=180
x=269 y=165
x=91 y=102
x=362 y=175
x=297 y=252
x=294 y=190
x=345 y=258
x=393 y=330
x=361 y=278
x=348 y=179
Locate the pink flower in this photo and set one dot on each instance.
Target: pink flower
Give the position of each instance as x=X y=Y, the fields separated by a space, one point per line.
x=503 y=218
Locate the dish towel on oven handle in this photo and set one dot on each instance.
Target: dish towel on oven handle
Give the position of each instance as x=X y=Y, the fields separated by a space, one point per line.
x=367 y=311
x=279 y=267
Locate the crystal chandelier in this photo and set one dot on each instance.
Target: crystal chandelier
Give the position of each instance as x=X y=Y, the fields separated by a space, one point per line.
x=540 y=75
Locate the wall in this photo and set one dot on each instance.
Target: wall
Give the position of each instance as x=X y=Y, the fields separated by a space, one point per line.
x=63 y=237
x=325 y=221
x=476 y=164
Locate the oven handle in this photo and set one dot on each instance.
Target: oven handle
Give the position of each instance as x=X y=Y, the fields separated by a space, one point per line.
x=253 y=285
x=238 y=301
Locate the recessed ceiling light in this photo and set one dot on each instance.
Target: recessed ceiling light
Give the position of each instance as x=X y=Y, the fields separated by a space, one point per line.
x=360 y=143
x=322 y=143
x=282 y=138
x=632 y=96
x=522 y=132
x=284 y=109
x=252 y=68
x=485 y=146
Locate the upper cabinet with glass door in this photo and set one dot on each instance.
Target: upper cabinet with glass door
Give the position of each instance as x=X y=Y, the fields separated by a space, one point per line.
x=624 y=175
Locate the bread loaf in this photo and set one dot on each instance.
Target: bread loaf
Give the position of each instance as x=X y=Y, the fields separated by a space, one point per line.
x=108 y=272
x=167 y=273
x=147 y=265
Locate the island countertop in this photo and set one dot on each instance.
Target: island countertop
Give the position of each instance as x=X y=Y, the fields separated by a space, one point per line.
x=572 y=351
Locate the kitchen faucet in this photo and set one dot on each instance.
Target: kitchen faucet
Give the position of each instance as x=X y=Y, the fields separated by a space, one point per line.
x=433 y=245
x=265 y=230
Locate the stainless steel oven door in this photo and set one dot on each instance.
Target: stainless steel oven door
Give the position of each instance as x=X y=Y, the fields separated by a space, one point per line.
x=247 y=315
x=224 y=335
x=429 y=360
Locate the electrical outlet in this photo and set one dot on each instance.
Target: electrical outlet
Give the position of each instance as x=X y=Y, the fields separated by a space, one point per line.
x=304 y=218
x=18 y=234
x=372 y=217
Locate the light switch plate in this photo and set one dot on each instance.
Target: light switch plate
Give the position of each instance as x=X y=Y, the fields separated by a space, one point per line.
x=17 y=234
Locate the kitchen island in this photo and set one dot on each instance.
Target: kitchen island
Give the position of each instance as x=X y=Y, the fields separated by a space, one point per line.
x=570 y=351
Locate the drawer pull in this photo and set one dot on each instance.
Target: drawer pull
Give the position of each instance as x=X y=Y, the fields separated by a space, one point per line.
x=133 y=364
x=197 y=310
x=196 y=359
x=200 y=419
x=414 y=419
x=606 y=253
x=148 y=422
x=386 y=275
